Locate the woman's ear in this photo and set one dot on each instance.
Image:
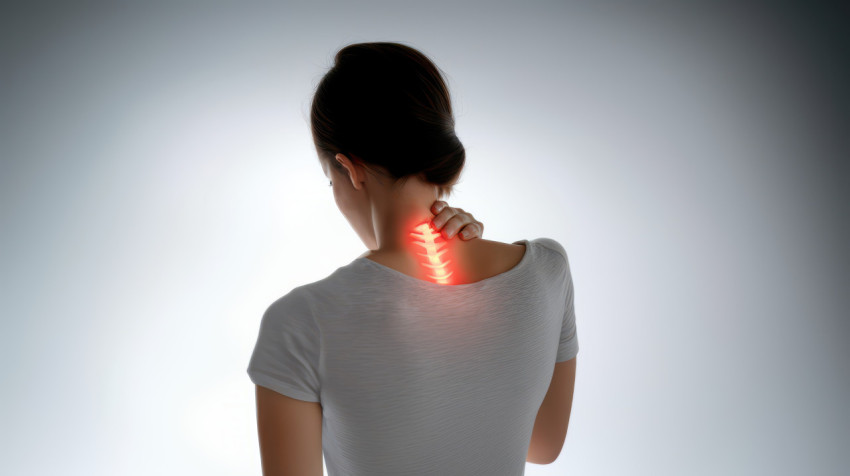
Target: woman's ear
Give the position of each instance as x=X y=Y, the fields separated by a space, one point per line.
x=355 y=172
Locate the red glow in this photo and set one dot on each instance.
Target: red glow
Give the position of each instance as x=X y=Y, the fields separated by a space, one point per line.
x=426 y=236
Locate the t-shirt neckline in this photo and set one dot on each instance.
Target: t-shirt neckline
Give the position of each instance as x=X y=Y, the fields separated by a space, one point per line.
x=502 y=275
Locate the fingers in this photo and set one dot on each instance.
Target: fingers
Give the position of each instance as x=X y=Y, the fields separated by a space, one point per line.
x=444 y=216
x=453 y=220
x=459 y=221
x=472 y=230
x=455 y=223
x=438 y=206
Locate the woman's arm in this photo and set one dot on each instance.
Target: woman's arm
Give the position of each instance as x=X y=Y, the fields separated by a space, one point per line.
x=290 y=434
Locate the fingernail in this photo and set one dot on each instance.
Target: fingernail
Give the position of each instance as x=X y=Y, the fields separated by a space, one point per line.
x=466 y=233
x=440 y=207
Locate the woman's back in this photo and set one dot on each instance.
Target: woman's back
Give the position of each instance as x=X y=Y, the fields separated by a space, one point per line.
x=416 y=377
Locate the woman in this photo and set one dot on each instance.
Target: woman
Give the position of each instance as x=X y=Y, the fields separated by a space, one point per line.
x=426 y=354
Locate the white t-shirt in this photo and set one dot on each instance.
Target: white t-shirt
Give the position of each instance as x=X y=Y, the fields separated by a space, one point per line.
x=420 y=378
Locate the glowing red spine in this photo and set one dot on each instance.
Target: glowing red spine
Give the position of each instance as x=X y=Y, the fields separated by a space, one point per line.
x=426 y=237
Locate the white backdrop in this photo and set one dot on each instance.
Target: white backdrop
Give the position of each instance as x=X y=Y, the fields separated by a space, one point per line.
x=160 y=189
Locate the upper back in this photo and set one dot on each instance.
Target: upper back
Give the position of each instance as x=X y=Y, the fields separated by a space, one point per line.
x=411 y=373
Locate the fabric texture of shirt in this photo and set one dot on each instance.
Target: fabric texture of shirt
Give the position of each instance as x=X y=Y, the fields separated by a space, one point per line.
x=420 y=378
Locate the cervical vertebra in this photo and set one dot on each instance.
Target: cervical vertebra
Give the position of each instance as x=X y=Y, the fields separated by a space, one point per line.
x=426 y=236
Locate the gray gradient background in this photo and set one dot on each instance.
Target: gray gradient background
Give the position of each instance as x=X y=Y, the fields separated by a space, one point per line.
x=159 y=189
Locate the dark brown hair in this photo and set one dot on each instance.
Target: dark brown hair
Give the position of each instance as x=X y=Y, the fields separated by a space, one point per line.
x=386 y=104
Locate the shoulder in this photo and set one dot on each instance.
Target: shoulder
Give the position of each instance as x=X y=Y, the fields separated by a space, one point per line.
x=291 y=311
x=482 y=247
x=552 y=251
x=296 y=299
x=305 y=296
x=552 y=246
x=492 y=257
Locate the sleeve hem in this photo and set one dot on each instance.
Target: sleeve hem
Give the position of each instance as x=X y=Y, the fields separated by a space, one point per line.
x=282 y=388
x=567 y=352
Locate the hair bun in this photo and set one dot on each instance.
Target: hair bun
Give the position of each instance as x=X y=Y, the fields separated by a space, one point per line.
x=388 y=104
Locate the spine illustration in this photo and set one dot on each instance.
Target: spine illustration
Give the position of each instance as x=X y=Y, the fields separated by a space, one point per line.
x=426 y=237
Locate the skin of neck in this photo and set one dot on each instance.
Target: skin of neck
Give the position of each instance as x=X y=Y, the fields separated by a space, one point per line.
x=383 y=212
x=396 y=213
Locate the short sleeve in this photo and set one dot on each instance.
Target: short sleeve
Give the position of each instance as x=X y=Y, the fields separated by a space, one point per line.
x=568 y=344
x=286 y=355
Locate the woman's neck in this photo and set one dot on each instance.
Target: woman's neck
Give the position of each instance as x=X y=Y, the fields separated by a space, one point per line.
x=405 y=237
x=430 y=257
